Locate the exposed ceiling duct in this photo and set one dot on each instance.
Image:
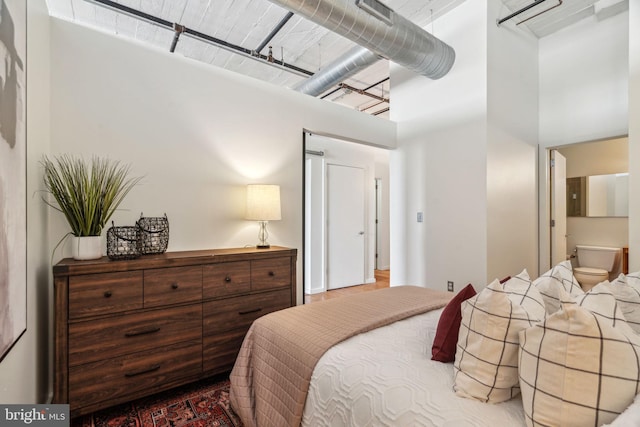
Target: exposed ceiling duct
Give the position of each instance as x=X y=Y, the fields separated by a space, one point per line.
x=355 y=60
x=379 y=29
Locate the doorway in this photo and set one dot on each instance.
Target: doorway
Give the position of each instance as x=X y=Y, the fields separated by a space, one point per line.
x=584 y=226
x=335 y=257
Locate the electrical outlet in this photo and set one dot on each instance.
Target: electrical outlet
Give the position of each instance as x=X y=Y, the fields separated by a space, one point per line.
x=450 y=286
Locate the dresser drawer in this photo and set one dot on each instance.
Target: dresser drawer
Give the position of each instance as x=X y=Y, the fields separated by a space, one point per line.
x=240 y=312
x=219 y=351
x=229 y=278
x=164 y=286
x=270 y=273
x=116 y=379
x=90 y=341
x=95 y=294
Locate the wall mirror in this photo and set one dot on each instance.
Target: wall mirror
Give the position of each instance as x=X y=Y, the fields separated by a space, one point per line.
x=597 y=178
x=598 y=195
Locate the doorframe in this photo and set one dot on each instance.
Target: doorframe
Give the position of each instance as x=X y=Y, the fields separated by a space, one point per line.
x=305 y=147
x=544 y=208
x=544 y=195
x=554 y=212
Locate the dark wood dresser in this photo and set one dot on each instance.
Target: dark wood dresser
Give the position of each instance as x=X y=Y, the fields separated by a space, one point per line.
x=127 y=329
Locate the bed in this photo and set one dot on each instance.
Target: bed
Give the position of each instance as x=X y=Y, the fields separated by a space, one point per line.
x=385 y=378
x=365 y=360
x=385 y=357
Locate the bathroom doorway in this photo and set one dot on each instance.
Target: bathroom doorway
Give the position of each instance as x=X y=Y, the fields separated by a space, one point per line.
x=589 y=221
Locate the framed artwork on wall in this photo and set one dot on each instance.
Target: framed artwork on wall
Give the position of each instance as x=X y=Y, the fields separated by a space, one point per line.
x=13 y=181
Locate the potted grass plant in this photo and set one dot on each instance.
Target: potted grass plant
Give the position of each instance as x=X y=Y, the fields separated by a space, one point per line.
x=87 y=193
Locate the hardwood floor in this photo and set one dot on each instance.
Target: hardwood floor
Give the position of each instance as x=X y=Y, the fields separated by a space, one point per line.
x=382 y=281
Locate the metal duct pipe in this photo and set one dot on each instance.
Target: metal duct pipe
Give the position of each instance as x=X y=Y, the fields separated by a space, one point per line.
x=402 y=42
x=355 y=60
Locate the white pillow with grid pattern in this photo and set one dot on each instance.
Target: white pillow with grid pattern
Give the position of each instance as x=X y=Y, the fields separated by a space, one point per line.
x=576 y=367
x=551 y=282
x=486 y=364
x=602 y=302
x=627 y=291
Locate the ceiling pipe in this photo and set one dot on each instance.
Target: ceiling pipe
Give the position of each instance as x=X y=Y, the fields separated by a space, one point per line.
x=363 y=92
x=371 y=106
x=402 y=42
x=326 y=95
x=179 y=29
x=540 y=13
x=376 y=83
x=273 y=32
x=230 y=47
x=351 y=63
x=518 y=12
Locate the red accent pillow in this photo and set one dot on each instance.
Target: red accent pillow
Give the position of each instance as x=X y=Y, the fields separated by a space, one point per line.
x=446 y=339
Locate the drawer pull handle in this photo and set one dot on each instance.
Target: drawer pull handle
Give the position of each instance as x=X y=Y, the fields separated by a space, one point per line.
x=107 y=294
x=227 y=279
x=174 y=286
x=144 y=371
x=250 y=311
x=271 y=273
x=142 y=332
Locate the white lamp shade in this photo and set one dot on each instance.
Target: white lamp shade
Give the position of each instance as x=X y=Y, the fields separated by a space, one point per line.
x=263 y=202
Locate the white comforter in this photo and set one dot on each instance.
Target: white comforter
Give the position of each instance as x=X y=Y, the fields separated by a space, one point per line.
x=386 y=377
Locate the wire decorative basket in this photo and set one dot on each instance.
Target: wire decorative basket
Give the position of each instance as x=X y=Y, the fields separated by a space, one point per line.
x=122 y=242
x=153 y=234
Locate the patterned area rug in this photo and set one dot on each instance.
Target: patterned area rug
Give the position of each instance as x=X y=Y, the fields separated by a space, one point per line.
x=201 y=404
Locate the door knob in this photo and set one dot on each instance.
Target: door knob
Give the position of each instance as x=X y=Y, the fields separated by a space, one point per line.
x=361 y=233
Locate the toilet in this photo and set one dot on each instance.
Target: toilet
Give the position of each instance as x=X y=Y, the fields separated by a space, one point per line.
x=594 y=264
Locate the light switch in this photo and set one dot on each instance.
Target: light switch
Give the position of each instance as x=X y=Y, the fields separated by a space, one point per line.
x=420 y=218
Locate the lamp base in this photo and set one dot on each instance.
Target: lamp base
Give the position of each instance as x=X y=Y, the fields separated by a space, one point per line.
x=263 y=235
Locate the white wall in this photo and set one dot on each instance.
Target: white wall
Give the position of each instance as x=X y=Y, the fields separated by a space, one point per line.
x=584 y=94
x=197 y=134
x=384 y=239
x=597 y=157
x=583 y=81
x=439 y=167
x=467 y=157
x=634 y=136
x=612 y=232
x=25 y=370
x=512 y=115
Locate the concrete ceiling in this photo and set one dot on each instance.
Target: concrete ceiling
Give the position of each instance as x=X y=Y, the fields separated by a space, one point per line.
x=305 y=46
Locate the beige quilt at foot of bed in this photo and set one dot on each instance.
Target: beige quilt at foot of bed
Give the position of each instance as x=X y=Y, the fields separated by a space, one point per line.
x=270 y=379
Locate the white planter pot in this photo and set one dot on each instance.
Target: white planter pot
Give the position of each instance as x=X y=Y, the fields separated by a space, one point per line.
x=86 y=247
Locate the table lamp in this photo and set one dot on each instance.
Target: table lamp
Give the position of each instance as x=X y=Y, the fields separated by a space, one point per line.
x=263 y=205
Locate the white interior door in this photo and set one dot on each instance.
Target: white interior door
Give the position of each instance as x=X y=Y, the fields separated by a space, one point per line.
x=345 y=226
x=558 y=207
